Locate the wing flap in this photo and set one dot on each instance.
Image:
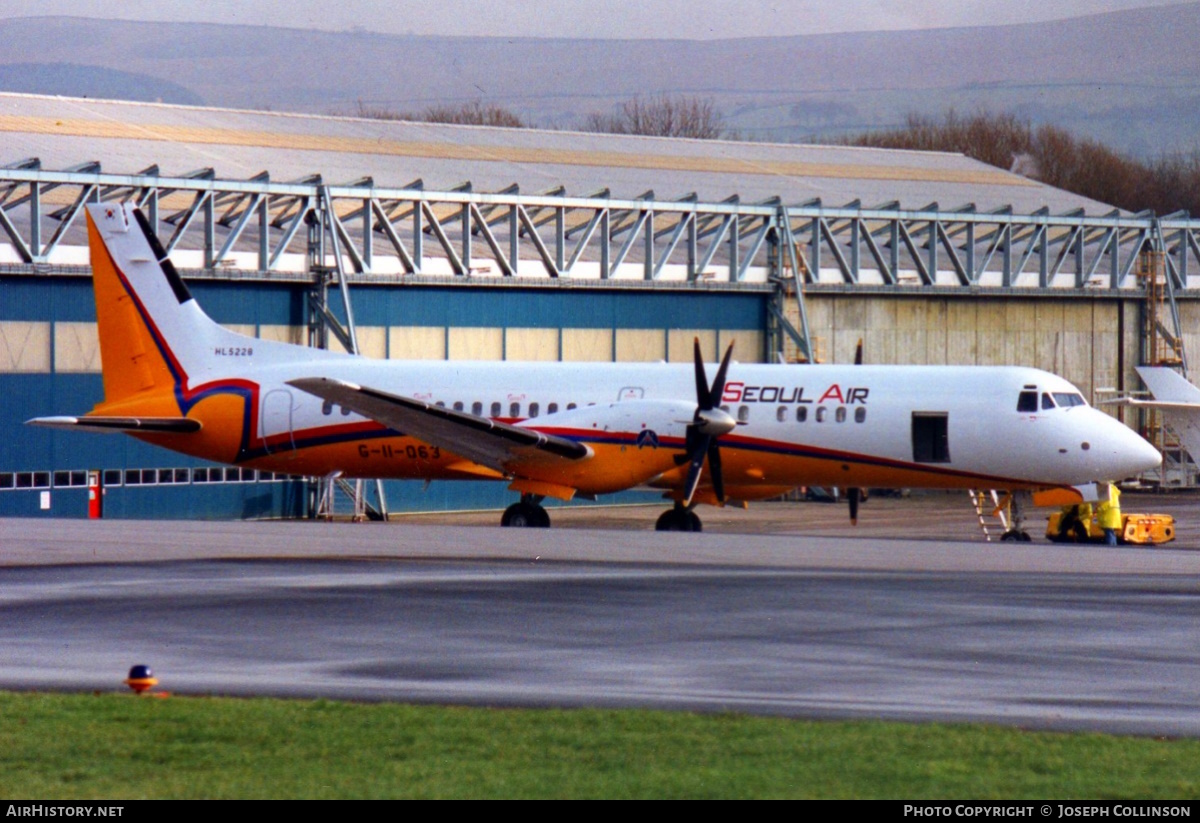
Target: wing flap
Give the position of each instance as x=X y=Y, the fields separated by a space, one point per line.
x=487 y=442
x=173 y=425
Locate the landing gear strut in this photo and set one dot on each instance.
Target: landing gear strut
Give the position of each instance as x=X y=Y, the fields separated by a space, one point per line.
x=678 y=519
x=1016 y=533
x=528 y=513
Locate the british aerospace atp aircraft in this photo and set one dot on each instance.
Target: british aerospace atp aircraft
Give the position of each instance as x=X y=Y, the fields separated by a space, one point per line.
x=175 y=378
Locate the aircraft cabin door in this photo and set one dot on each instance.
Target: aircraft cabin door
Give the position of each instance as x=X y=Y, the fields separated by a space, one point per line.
x=277 y=421
x=931 y=437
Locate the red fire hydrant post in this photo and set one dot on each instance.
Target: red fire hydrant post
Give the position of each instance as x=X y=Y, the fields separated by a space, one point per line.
x=95 y=496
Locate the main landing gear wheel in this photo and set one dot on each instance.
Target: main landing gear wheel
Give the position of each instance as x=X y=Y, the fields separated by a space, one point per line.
x=678 y=519
x=1014 y=536
x=525 y=515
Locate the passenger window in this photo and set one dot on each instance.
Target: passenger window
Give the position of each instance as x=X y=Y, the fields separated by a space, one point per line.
x=1027 y=402
x=514 y=410
x=495 y=410
x=860 y=414
x=552 y=408
x=801 y=414
x=458 y=406
x=821 y=414
x=477 y=409
x=781 y=413
x=534 y=409
x=840 y=414
x=743 y=414
x=1047 y=401
x=571 y=406
x=327 y=408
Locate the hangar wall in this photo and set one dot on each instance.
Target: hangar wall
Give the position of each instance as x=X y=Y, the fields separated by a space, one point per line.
x=1093 y=340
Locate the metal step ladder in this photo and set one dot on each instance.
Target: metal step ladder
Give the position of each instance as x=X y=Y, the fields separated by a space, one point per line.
x=991 y=509
x=363 y=509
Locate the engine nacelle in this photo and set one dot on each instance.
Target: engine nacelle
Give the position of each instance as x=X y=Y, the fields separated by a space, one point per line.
x=632 y=442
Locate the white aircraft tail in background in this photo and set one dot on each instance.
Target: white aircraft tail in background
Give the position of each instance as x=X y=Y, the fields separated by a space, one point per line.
x=1177 y=400
x=175 y=378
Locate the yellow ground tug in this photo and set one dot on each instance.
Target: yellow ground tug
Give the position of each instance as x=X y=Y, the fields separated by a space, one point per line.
x=1140 y=529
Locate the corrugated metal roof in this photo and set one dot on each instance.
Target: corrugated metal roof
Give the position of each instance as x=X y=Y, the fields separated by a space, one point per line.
x=127 y=137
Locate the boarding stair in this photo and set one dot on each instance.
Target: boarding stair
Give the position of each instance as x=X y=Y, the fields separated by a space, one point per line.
x=992 y=511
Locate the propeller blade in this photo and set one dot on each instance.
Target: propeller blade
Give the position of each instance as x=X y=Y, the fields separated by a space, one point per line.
x=718 y=386
x=693 y=476
x=702 y=393
x=853 y=495
x=706 y=427
x=714 y=466
x=858 y=353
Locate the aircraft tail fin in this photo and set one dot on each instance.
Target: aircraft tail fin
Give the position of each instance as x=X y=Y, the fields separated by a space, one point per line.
x=154 y=337
x=1177 y=400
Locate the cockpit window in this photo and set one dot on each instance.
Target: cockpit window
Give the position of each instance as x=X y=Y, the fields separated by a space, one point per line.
x=1027 y=402
x=1068 y=399
x=1047 y=401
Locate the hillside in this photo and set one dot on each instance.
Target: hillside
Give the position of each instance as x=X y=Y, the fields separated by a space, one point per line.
x=1127 y=78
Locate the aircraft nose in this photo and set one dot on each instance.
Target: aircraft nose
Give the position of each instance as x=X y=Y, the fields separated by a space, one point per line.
x=1149 y=456
x=1134 y=454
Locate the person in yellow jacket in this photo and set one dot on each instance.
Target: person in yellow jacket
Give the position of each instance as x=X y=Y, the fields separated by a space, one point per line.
x=1073 y=522
x=1108 y=515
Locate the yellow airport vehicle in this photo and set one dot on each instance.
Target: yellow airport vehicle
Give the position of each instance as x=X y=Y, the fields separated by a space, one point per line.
x=1138 y=529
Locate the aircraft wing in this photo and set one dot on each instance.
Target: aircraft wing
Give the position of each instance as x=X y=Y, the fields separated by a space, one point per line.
x=175 y=425
x=487 y=442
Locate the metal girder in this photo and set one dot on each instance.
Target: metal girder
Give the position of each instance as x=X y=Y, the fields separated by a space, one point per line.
x=884 y=244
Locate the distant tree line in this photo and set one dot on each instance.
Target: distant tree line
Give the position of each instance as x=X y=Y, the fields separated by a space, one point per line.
x=474 y=113
x=1046 y=153
x=662 y=116
x=1055 y=157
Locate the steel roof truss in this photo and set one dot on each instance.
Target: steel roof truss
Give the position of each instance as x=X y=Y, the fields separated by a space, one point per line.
x=751 y=251
x=435 y=228
x=964 y=278
x=384 y=225
x=236 y=231
x=685 y=222
x=915 y=256
x=303 y=207
x=68 y=218
x=718 y=235
x=831 y=242
x=183 y=219
x=548 y=261
x=585 y=237
x=481 y=227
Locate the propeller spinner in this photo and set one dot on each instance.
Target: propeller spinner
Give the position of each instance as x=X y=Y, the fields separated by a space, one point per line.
x=708 y=424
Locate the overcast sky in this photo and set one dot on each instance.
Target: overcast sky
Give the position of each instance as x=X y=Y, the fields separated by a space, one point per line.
x=689 y=19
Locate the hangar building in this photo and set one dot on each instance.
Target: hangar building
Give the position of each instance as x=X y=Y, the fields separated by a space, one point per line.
x=418 y=240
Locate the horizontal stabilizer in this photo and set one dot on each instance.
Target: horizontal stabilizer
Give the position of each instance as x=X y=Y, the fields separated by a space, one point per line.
x=487 y=442
x=1168 y=387
x=174 y=425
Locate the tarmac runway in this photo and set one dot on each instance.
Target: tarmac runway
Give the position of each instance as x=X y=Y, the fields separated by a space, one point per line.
x=780 y=609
